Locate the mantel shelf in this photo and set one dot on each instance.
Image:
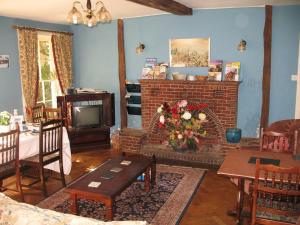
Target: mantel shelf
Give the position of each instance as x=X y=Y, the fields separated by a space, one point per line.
x=190 y=82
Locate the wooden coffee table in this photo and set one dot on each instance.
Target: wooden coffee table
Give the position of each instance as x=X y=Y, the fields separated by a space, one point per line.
x=110 y=188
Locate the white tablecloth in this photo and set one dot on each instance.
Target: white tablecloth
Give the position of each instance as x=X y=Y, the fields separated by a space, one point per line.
x=29 y=146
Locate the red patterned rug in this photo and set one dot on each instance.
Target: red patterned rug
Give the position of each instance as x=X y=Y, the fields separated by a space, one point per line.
x=164 y=204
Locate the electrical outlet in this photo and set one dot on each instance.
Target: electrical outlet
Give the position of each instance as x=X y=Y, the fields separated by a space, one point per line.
x=294 y=77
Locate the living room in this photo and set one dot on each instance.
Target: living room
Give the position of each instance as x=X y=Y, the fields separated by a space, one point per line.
x=96 y=65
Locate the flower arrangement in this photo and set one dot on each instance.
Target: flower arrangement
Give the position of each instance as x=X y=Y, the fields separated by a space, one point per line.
x=184 y=122
x=5 y=118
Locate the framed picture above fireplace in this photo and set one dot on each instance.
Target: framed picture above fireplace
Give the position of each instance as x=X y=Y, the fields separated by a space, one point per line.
x=189 y=52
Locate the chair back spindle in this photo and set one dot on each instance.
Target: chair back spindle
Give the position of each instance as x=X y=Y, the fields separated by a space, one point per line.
x=9 y=144
x=276 y=195
x=50 y=137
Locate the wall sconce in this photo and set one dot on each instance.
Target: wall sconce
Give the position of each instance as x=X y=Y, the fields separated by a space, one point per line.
x=242 y=46
x=139 y=49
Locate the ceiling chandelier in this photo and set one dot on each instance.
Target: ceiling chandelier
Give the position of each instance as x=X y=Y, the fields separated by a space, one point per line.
x=90 y=16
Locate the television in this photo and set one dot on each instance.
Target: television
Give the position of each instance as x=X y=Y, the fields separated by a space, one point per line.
x=87 y=116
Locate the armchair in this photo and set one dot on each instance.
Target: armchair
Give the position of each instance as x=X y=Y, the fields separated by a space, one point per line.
x=281 y=136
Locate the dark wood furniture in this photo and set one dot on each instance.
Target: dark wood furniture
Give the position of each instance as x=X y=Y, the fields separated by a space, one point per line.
x=9 y=158
x=276 y=195
x=50 y=150
x=236 y=165
x=95 y=136
x=170 y=6
x=52 y=113
x=37 y=113
x=110 y=188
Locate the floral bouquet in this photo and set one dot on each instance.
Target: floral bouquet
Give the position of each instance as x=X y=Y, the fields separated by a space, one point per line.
x=184 y=122
x=5 y=118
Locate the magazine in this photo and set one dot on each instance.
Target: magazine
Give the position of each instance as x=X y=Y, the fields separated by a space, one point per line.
x=153 y=70
x=116 y=169
x=215 y=70
x=150 y=62
x=147 y=73
x=232 y=71
x=125 y=162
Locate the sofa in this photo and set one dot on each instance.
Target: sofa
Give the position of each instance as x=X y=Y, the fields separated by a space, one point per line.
x=13 y=212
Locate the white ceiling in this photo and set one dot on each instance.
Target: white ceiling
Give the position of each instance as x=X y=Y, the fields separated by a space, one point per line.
x=55 y=11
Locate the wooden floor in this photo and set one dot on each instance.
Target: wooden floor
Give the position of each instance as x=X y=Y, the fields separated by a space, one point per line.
x=213 y=198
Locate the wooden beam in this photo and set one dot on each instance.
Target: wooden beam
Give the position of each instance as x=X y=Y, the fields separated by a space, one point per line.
x=266 y=81
x=122 y=74
x=170 y=6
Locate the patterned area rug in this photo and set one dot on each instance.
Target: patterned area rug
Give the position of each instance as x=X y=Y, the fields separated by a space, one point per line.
x=164 y=204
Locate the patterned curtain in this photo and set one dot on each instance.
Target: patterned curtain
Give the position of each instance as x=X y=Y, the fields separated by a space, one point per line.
x=62 y=53
x=28 y=59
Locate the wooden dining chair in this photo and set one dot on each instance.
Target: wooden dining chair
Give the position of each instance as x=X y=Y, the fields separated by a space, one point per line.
x=273 y=141
x=276 y=195
x=37 y=113
x=9 y=158
x=52 y=113
x=50 y=150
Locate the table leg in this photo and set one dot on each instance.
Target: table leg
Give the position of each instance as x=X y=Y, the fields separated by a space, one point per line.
x=147 y=180
x=1 y=186
x=240 y=200
x=109 y=209
x=153 y=171
x=74 y=204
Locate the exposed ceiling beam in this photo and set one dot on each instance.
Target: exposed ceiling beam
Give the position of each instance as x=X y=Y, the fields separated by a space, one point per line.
x=170 y=6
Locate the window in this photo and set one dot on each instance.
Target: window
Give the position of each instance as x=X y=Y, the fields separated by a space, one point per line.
x=48 y=83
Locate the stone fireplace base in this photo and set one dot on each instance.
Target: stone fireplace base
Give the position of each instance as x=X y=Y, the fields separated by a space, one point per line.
x=135 y=141
x=208 y=154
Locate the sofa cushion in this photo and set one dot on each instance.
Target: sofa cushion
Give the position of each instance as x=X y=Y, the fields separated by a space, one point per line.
x=13 y=212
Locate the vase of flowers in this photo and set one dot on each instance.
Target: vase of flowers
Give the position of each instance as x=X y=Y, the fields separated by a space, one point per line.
x=184 y=123
x=4 y=121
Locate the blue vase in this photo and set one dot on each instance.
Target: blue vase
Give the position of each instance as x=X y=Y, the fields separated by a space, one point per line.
x=233 y=135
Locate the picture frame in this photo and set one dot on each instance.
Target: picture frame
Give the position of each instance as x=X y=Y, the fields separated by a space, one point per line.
x=189 y=52
x=4 y=61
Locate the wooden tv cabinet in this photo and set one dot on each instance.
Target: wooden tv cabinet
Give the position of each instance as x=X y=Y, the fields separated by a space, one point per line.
x=94 y=136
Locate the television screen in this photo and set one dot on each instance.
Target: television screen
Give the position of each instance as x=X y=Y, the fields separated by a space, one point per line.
x=87 y=116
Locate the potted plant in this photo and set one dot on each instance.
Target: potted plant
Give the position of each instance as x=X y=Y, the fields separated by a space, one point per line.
x=4 y=121
x=184 y=123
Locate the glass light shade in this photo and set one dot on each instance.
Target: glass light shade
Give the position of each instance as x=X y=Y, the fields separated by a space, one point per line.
x=90 y=22
x=103 y=15
x=74 y=16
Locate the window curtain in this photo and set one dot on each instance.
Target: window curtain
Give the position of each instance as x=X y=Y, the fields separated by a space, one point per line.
x=62 y=53
x=28 y=59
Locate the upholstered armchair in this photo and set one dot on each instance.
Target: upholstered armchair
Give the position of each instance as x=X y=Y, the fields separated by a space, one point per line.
x=281 y=136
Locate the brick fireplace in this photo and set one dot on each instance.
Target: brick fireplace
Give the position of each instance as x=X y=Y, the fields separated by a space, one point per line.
x=221 y=98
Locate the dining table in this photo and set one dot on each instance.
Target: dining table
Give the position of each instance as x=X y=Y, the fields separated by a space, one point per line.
x=240 y=164
x=29 y=146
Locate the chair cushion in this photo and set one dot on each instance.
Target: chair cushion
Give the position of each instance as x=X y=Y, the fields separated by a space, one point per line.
x=7 y=170
x=279 y=205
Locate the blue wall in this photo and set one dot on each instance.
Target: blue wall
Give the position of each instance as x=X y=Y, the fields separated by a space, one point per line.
x=225 y=27
x=95 y=55
x=10 y=83
x=285 y=49
x=95 y=59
